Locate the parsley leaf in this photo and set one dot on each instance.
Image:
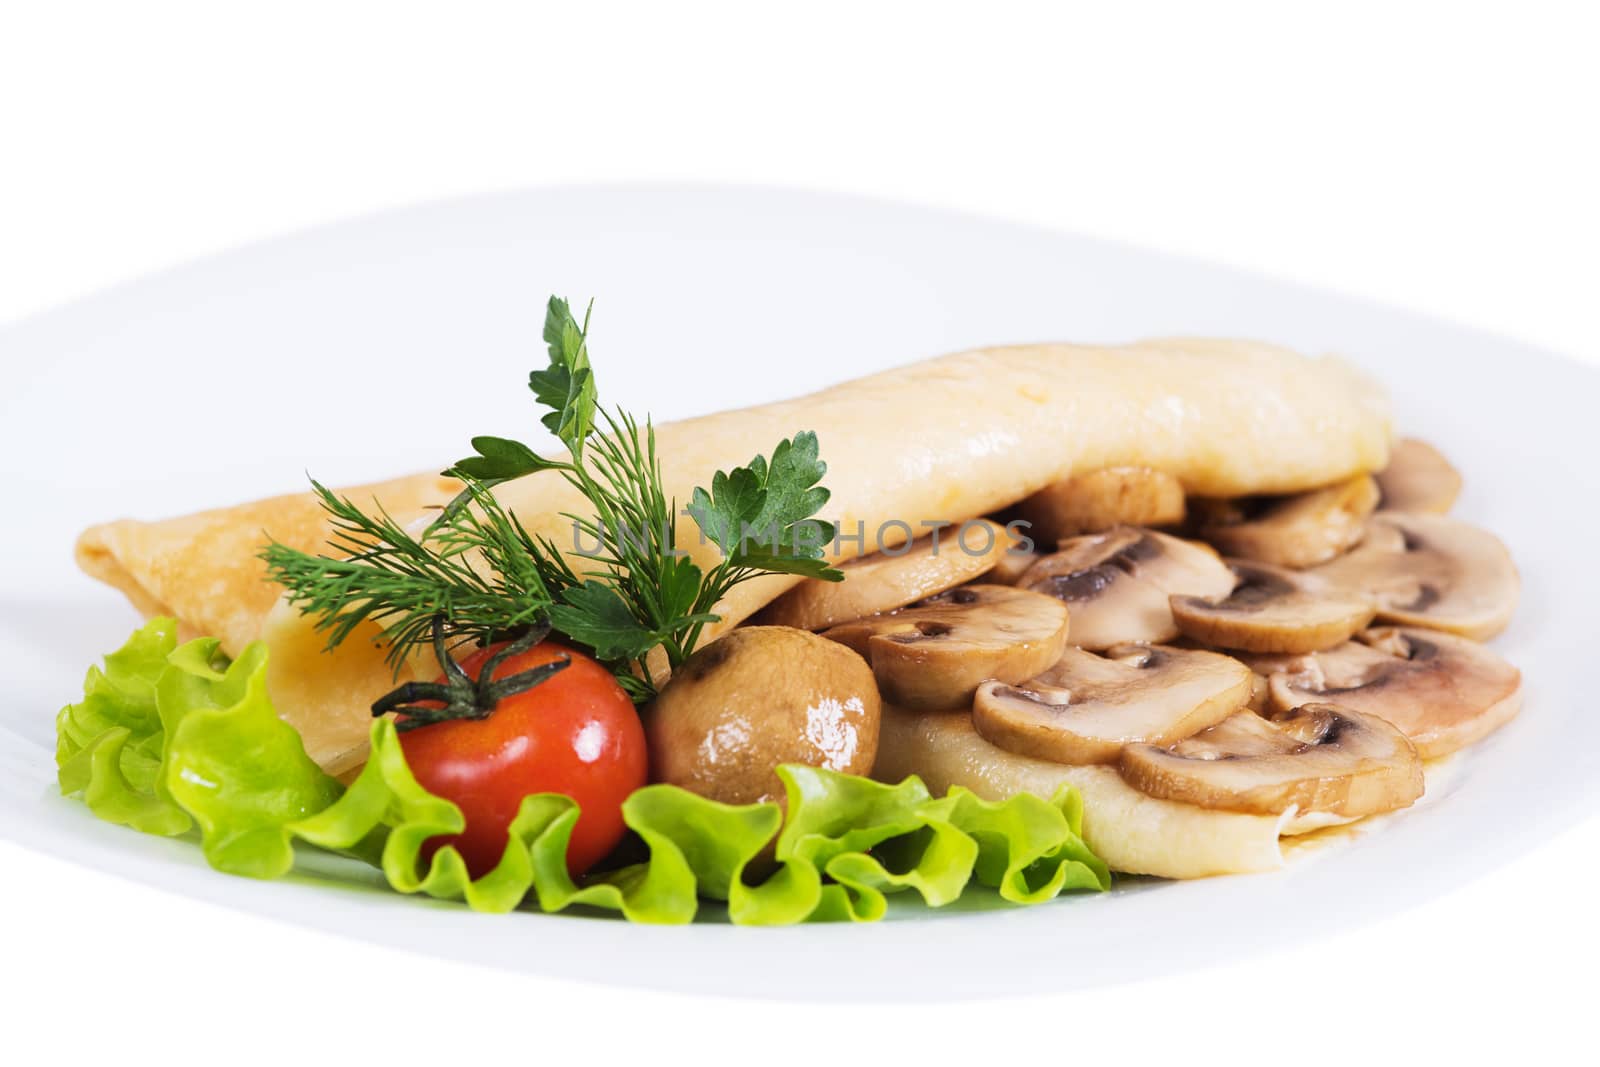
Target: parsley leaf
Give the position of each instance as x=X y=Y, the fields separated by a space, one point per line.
x=567 y=385
x=497 y=460
x=500 y=460
x=679 y=588
x=805 y=566
x=731 y=508
x=791 y=482
x=760 y=515
x=593 y=614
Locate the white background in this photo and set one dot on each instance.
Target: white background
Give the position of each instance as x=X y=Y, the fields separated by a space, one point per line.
x=1438 y=157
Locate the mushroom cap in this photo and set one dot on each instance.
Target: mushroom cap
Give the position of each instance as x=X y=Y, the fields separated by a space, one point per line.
x=893 y=578
x=1099 y=500
x=1272 y=610
x=1294 y=531
x=1430 y=571
x=1118 y=584
x=757 y=697
x=1442 y=692
x=1418 y=479
x=932 y=655
x=1315 y=758
x=1085 y=708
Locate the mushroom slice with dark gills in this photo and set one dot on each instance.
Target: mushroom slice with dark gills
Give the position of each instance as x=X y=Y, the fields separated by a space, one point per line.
x=1273 y=610
x=1418 y=479
x=1317 y=758
x=1291 y=531
x=1442 y=692
x=932 y=655
x=1099 y=500
x=893 y=578
x=1431 y=571
x=1117 y=584
x=1086 y=707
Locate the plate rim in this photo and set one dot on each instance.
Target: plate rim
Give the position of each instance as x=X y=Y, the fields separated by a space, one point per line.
x=1582 y=795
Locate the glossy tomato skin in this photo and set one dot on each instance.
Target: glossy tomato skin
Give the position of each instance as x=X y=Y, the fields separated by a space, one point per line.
x=575 y=733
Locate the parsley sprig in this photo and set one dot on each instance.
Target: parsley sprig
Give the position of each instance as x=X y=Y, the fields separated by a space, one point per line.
x=491 y=579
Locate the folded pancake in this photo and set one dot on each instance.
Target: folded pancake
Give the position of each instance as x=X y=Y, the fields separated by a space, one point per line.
x=202 y=569
x=946 y=439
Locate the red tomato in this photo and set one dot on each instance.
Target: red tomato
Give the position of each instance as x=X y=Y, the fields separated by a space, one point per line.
x=574 y=733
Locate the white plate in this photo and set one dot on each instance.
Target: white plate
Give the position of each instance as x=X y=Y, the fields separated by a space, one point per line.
x=378 y=346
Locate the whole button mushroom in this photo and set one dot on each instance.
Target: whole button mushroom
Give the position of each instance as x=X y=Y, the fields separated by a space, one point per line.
x=756 y=698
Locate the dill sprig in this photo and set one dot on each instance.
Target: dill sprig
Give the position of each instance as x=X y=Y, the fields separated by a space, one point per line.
x=483 y=572
x=479 y=568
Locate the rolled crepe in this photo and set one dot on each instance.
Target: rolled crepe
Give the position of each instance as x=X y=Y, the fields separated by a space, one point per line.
x=942 y=440
x=203 y=569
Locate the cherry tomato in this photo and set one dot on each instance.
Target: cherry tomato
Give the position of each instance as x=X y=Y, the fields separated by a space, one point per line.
x=575 y=733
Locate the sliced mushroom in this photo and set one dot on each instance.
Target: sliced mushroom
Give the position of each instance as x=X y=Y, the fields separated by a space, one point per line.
x=1442 y=692
x=1314 y=758
x=1431 y=571
x=1099 y=500
x=1418 y=479
x=932 y=655
x=1260 y=693
x=1294 y=531
x=1118 y=583
x=1085 y=708
x=1250 y=734
x=1239 y=734
x=887 y=580
x=1273 y=610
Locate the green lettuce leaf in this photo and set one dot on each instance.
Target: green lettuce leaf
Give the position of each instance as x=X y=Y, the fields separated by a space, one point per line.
x=693 y=842
x=109 y=745
x=171 y=736
x=231 y=763
x=1029 y=849
x=848 y=843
